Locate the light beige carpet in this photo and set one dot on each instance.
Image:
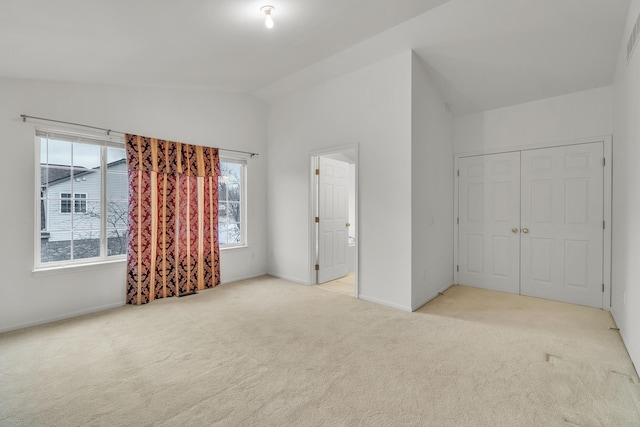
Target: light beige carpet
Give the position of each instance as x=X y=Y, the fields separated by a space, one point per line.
x=267 y=352
x=345 y=285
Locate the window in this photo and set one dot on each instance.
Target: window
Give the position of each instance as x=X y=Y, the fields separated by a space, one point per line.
x=83 y=196
x=231 y=203
x=80 y=206
x=65 y=202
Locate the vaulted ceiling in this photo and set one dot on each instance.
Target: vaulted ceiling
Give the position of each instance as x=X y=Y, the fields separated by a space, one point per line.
x=483 y=53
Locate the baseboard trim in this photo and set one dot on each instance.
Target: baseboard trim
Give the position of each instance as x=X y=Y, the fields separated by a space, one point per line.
x=289 y=278
x=635 y=358
x=239 y=278
x=383 y=302
x=416 y=306
x=61 y=317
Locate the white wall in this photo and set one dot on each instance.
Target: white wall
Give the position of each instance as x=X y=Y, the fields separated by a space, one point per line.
x=372 y=107
x=431 y=189
x=626 y=197
x=198 y=117
x=577 y=115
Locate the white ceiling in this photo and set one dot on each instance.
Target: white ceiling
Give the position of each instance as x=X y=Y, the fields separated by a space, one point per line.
x=483 y=53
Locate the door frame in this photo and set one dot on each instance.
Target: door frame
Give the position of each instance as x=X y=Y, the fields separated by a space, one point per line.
x=314 y=157
x=607 y=143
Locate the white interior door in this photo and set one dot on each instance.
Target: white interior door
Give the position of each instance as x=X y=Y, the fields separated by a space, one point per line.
x=333 y=211
x=562 y=223
x=489 y=218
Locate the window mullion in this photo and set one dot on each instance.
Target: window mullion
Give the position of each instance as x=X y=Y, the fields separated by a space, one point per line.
x=104 y=239
x=72 y=224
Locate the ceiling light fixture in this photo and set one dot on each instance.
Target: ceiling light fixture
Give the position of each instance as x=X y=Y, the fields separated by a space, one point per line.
x=267 y=10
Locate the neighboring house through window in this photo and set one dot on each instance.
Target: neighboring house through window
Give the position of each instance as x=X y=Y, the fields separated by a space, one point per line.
x=82 y=195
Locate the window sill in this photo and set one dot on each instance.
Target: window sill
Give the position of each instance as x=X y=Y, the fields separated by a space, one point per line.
x=233 y=248
x=76 y=268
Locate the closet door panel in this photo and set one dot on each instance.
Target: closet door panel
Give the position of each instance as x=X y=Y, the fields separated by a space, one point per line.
x=562 y=223
x=489 y=211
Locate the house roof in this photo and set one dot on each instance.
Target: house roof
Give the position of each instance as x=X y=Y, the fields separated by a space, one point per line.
x=58 y=173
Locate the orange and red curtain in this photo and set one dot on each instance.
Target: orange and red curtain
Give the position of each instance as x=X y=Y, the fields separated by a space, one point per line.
x=173 y=218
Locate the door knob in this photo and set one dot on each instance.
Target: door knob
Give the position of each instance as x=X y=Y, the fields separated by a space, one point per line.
x=525 y=230
x=348 y=225
x=514 y=230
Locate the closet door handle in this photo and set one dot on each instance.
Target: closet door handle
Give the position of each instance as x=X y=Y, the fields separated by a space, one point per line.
x=525 y=230
x=514 y=230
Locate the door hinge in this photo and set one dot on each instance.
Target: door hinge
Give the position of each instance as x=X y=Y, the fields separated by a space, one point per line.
x=604 y=161
x=603 y=225
x=317 y=267
x=317 y=171
x=458 y=220
x=317 y=219
x=458 y=172
x=603 y=287
x=457 y=268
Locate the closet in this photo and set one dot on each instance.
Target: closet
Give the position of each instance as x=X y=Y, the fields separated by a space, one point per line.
x=531 y=222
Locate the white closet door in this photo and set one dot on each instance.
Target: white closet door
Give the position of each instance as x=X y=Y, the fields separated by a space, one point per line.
x=333 y=208
x=562 y=223
x=489 y=208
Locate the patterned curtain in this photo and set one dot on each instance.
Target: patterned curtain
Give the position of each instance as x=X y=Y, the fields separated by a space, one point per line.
x=173 y=218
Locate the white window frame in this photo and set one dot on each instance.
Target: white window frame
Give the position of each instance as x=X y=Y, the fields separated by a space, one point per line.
x=80 y=199
x=104 y=142
x=243 y=201
x=66 y=200
x=73 y=199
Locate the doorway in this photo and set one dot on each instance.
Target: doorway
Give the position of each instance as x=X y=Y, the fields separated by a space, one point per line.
x=334 y=219
x=533 y=222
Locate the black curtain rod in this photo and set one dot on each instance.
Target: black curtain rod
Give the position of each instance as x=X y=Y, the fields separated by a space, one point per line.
x=110 y=131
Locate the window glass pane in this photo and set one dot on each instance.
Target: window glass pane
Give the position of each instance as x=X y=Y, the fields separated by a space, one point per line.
x=58 y=152
x=44 y=207
x=222 y=211
x=234 y=191
x=86 y=156
x=233 y=171
x=117 y=214
x=55 y=179
x=115 y=154
x=234 y=235
x=86 y=244
x=222 y=233
x=57 y=221
x=44 y=177
x=117 y=187
x=43 y=151
x=117 y=241
x=233 y=211
x=89 y=218
x=222 y=190
x=55 y=247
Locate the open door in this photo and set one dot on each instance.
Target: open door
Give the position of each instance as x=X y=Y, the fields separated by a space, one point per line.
x=333 y=219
